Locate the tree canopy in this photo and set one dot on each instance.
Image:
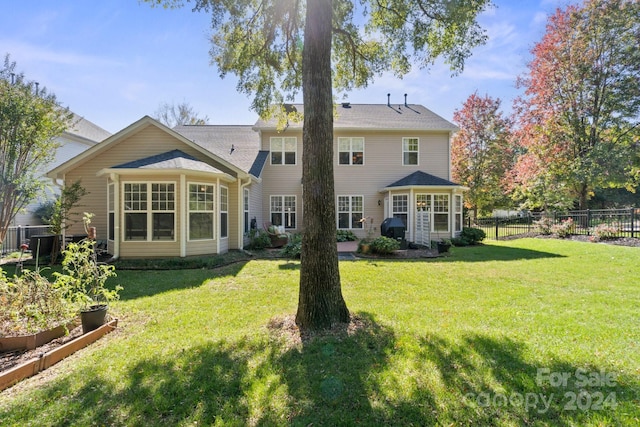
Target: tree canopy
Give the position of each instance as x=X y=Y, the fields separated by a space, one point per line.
x=579 y=117
x=30 y=121
x=481 y=153
x=278 y=48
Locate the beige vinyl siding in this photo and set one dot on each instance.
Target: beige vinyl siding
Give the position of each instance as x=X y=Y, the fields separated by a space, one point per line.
x=282 y=180
x=255 y=207
x=146 y=142
x=382 y=166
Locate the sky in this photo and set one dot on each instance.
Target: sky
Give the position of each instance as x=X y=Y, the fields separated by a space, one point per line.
x=113 y=62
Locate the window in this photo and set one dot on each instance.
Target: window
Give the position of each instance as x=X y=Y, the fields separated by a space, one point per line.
x=350 y=212
x=111 y=207
x=283 y=211
x=410 y=151
x=438 y=206
x=224 y=212
x=400 y=207
x=201 y=211
x=457 y=211
x=441 y=212
x=149 y=215
x=351 y=151
x=245 y=208
x=283 y=150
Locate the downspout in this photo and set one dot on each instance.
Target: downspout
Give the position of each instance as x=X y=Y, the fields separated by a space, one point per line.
x=241 y=212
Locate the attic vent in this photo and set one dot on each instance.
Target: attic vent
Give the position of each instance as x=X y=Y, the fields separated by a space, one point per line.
x=346 y=105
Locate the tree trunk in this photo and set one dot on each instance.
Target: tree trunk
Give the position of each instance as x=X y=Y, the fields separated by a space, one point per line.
x=320 y=303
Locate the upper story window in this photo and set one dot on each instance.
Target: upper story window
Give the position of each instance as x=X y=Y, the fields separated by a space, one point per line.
x=410 y=151
x=351 y=151
x=283 y=150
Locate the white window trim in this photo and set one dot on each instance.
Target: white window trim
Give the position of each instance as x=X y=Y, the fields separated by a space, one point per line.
x=111 y=209
x=350 y=212
x=295 y=152
x=351 y=138
x=406 y=138
x=246 y=210
x=283 y=212
x=221 y=211
x=189 y=211
x=149 y=211
x=432 y=211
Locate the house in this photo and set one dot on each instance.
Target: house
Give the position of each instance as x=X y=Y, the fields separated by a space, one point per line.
x=80 y=135
x=195 y=190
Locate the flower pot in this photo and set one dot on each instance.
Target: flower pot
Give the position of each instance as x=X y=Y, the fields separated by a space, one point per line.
x=94 y=317
x=443 y=247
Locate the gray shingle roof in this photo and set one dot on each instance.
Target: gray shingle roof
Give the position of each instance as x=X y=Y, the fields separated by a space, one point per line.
x=377 y=116
x=85 y=129
x=420 y=178
x=174 y=159
x=238 y=145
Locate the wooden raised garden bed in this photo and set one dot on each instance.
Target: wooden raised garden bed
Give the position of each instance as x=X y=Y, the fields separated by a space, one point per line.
x=18 y=373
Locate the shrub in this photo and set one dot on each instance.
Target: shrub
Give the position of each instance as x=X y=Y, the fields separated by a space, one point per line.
x=473 y=235
x=564 y=229
x=604 y=232
x=258 y=239
x=460 y=241
x=544 y=225
x=346 y=236
x=293 y=248
x=384 y=245
x=29 y=303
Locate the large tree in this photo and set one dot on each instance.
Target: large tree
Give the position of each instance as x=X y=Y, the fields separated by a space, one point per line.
x=30 y=121
x=481 y=152
x=279 y=47
x=174 y=115
x=578 y=119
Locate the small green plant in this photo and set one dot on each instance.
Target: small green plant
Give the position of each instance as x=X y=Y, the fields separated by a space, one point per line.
x=346 y=236
x=293 y=248
x=384 y=245
x=564 y=229
x=84 y=277
x=469 y=236
x=258 y=239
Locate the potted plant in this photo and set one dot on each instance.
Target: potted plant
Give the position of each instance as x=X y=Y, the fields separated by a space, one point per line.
x=84 y=278
x=444 y=245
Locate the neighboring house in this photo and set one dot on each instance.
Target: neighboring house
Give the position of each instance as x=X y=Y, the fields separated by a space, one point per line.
x=81 y=135
x=195 y=190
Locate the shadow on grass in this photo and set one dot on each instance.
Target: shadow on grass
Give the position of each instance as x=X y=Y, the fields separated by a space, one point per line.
x=371 y=377
x=153 y=282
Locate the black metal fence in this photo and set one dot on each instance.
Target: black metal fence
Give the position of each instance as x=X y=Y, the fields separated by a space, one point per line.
x=620 y=222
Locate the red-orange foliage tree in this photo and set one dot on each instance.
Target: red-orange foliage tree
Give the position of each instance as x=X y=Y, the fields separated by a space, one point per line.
x=481 y=153
x=578 y=120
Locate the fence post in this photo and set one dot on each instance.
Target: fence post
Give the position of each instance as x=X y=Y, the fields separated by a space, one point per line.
x=588 y=222
x=497 y=225
x=633 y=222
x=18 y=236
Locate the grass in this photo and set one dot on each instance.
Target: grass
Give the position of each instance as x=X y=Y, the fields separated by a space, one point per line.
x=469 y=339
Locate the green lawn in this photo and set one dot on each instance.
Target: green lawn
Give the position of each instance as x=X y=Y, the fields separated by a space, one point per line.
x=476 y=338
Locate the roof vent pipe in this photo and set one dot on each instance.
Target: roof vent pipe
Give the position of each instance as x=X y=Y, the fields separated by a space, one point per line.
x=405 y=100
x=388 y=100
